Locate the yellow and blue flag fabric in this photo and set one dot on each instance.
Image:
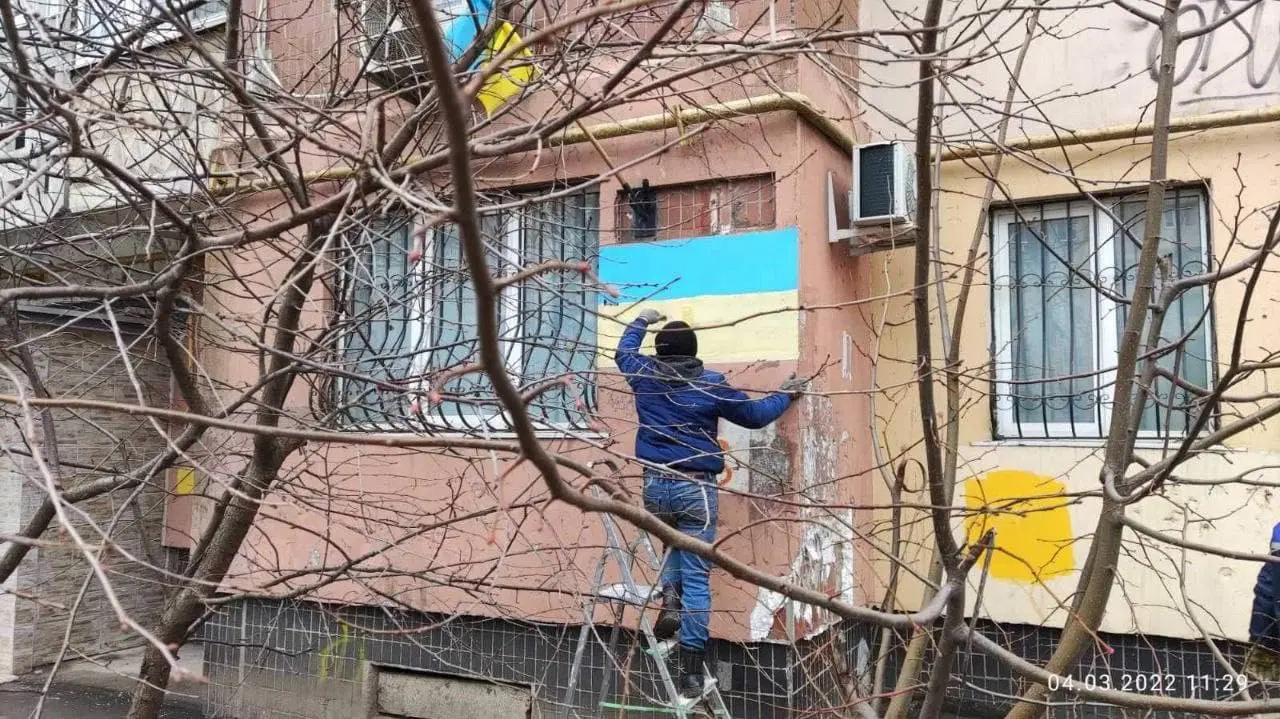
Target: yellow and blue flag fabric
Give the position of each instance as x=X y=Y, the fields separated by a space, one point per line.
x=508 y=81
x=463 y=21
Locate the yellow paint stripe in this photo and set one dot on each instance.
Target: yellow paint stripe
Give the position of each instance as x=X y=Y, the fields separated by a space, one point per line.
x=771 y=336
x=186 y=481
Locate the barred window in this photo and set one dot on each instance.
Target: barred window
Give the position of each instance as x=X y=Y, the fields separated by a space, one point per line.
x=696 y=210
x=1060 y=274
x=703 y=20
x=104 y=23
x=412 y=324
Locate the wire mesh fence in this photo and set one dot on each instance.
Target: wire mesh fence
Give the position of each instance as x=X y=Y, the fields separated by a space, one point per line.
x=295 y=659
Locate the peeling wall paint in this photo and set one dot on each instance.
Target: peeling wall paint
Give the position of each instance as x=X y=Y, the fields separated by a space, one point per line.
x=824 y=560
x=759 y=459
x=819 y=450
x=771 y=458
x=824 y=563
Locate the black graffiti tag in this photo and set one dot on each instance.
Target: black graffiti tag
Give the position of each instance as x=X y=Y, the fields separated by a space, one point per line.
x=1248 y=45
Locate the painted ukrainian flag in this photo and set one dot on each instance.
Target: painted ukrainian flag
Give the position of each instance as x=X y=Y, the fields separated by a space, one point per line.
x=748 y=282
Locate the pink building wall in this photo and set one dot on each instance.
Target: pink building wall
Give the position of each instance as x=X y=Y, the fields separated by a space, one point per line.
x=524 y=558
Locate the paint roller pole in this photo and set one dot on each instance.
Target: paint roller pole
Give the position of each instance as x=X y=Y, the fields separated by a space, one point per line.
x=600 y=149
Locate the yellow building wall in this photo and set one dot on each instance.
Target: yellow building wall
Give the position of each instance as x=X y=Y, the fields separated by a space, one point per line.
x=1042 y=495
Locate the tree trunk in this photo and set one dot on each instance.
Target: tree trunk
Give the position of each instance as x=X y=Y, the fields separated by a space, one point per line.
x=223 y=538
x=1098 y=577
x=185 y=609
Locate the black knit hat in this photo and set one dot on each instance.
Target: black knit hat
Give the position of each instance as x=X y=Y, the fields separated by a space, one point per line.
x=676 y=339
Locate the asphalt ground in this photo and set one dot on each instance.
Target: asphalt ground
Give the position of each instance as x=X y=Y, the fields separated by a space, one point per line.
x=19 y=699
x=99 y=688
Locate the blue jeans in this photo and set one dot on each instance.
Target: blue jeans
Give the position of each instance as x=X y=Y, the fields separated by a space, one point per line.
x=692 y=507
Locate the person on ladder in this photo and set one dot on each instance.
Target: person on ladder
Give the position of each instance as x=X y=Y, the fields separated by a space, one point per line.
x=679 y=403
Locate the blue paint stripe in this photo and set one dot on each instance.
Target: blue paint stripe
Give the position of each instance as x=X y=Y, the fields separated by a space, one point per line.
x=461 y=21
x=718 y=265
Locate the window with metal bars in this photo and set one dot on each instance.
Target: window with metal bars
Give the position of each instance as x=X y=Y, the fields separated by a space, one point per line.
x=1062 y=274
x=15 y=110
x=105 y=23
x=696 y=210
x=703 y=20
x=410 y=325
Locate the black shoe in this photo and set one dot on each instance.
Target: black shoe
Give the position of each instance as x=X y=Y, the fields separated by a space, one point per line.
x=668 y=623
x=692 y=666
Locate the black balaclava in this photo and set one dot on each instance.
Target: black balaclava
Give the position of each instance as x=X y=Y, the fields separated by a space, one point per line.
x=676 y=339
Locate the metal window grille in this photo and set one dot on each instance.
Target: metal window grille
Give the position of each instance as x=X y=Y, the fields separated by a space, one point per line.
x=103 y=20
x=1062 y=275
x=696 y=210
x=410 y=326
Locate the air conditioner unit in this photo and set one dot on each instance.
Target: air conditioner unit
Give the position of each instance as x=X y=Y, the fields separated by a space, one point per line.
x=389 y=41
x=884 y=179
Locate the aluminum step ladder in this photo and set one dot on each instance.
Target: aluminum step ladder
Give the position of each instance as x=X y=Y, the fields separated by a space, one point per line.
x=619 y=596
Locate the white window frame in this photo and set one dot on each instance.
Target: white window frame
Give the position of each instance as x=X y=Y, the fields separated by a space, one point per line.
x=165 y=33
x=9 y=147
x=468 y=418
x=9 y=94
x=1002 y=281
x=1102 y=233
x=717 y=17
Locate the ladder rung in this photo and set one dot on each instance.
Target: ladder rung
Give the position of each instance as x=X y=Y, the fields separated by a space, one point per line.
x=684 y=710
x=638 y=594
x=661 y=650
x=639 y=708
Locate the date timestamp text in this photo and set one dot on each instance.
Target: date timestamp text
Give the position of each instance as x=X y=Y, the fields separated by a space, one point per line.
x=1182 y=685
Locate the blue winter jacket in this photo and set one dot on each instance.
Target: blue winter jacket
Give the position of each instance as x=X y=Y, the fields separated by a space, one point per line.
x=679 y=402
x=1264 y=624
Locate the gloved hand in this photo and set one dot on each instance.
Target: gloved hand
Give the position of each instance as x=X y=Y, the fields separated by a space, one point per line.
x=649 y=316
x=794 y=387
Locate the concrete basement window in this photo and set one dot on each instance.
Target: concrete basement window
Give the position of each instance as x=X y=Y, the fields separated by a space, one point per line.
x=415 y=695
